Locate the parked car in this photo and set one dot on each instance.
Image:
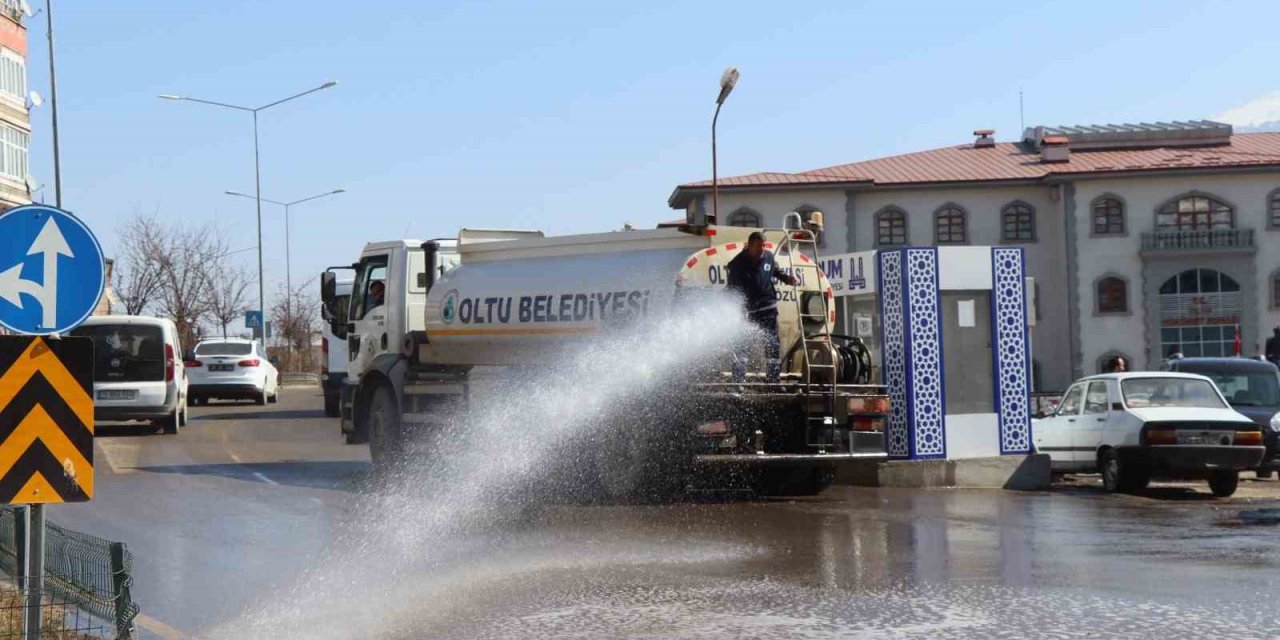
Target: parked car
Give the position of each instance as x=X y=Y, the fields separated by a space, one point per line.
x=1252 y=387
x=137 y=374
x=1131 y=427
x=232 y=368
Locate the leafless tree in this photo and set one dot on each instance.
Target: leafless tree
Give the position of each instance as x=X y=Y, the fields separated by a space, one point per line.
x=227 y=295
x=138 y=278
x=185 y=262
x=295 y=318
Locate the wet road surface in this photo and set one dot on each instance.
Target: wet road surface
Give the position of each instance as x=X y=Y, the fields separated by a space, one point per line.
x=230 y=515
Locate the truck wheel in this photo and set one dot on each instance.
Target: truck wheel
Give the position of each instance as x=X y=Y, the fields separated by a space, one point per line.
x=1223 y=482
x=384 y=431
x=632 y=468
x=1264 y=474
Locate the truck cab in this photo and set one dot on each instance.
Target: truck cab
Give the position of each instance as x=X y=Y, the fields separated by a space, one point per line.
x=387 y=302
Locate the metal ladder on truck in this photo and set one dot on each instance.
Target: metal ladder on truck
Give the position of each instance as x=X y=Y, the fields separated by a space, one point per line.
x=819 y=378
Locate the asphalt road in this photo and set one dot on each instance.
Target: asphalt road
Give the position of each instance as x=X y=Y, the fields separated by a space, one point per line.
x=253 y=522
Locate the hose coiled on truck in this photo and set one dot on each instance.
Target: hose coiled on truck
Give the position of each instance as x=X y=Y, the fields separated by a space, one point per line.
x=853 y=359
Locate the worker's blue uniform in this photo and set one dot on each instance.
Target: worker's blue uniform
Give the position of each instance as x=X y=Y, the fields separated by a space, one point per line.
x=754 y=282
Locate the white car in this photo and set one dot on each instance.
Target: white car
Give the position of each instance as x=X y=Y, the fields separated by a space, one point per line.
x=138 y=372
x=232 y=368
x=1130 y=427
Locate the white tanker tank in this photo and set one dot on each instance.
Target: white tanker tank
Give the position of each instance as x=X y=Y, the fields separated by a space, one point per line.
x=507 y=301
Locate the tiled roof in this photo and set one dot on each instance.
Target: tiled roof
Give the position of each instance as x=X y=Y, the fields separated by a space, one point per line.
x=1008 y=161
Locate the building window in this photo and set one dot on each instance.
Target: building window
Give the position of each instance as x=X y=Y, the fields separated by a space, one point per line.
x=1113 y=295
x=1200 y=313
x=1108 y=217
x=891 y=227
x=13 y=161
x=1018 y=222
x=949 y=225
x=1275 y=290
x=744 y=218
x=1273 y=210
x=13 y=75
x=1195 y=213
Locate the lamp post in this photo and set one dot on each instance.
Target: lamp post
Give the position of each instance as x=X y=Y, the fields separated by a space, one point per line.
x=257 y=169
x=727 y=81
x=288 y=265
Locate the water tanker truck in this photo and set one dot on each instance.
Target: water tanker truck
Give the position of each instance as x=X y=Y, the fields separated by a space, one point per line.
x=423 y=316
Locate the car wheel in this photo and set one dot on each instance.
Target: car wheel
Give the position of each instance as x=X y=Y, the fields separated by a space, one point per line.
x=385 y=442
x=1109 y=467
x=1264 y=474
x=274 y=397
x=261 y=398
x=182 y=417
x=170 y=424
x=331 y=407
x=1223 y=482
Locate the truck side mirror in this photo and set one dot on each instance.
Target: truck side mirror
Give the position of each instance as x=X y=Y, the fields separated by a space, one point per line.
x=328 y=288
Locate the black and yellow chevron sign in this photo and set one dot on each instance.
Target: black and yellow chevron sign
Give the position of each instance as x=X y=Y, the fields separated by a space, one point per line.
x=46 y=420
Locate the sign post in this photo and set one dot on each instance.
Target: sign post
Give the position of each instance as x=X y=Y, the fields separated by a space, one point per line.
x=52 y=276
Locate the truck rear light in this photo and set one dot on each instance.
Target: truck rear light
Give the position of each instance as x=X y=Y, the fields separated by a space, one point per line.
x=1161 y=436
x=192 y=364
x=170 y=361
x=717 y=428
x=868 y=424
x=250 y=363
x=869 y=404
x=1249 y=438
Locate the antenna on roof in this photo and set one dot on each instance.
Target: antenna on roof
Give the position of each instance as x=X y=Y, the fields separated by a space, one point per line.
x=1022 y=121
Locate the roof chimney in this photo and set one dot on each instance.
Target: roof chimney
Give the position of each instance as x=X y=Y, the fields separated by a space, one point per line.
x=1054 y=148
x=985 y=138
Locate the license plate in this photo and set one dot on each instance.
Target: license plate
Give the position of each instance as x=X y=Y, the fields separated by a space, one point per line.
x=222 y=367
x=1203 y=438
x=117 y=394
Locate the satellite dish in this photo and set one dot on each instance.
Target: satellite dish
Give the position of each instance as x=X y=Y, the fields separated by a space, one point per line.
x=35 y=99
x=24 y=8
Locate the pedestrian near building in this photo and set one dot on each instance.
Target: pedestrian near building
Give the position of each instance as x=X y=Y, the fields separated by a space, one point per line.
x=751 y=276
x=1272 y=347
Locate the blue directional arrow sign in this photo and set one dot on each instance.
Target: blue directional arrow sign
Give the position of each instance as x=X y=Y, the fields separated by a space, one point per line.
x=51 y=270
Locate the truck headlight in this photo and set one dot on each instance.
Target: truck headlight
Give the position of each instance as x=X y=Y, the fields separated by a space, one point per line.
x=1275 y=422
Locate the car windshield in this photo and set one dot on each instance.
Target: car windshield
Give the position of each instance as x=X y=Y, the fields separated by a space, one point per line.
x=1170 y=392
x=224 y=349
x=125 y=352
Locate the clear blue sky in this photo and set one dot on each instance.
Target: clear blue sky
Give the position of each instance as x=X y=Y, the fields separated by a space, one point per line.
x=574 y=117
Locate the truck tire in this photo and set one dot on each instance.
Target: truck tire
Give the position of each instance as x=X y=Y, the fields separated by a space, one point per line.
x=385 y=441
x=632 y=468
x=1223 y=482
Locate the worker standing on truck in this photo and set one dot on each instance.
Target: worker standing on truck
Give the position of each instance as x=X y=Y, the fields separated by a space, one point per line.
x=751 y=275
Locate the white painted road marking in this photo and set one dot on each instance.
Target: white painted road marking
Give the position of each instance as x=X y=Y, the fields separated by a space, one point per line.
x=265 y=479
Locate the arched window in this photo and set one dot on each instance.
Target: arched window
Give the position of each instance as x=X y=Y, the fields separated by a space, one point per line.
x=891 y=227
x=1108 y=216
x=1200 y=313
x=1112 y=295
x=949 y=225
x=1018 y=222
x=1195 y=212
x=1273 y=209
x=744 y=217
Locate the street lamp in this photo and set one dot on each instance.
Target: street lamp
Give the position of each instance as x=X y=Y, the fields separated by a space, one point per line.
x=727 y=81
x=257 y=168
x=288 y=277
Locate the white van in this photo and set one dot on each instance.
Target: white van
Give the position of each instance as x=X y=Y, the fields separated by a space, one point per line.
x=137 y=370
x=333 y=363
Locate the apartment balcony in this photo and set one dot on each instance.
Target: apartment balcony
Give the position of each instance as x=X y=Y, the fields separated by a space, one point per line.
x=1193 y=241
